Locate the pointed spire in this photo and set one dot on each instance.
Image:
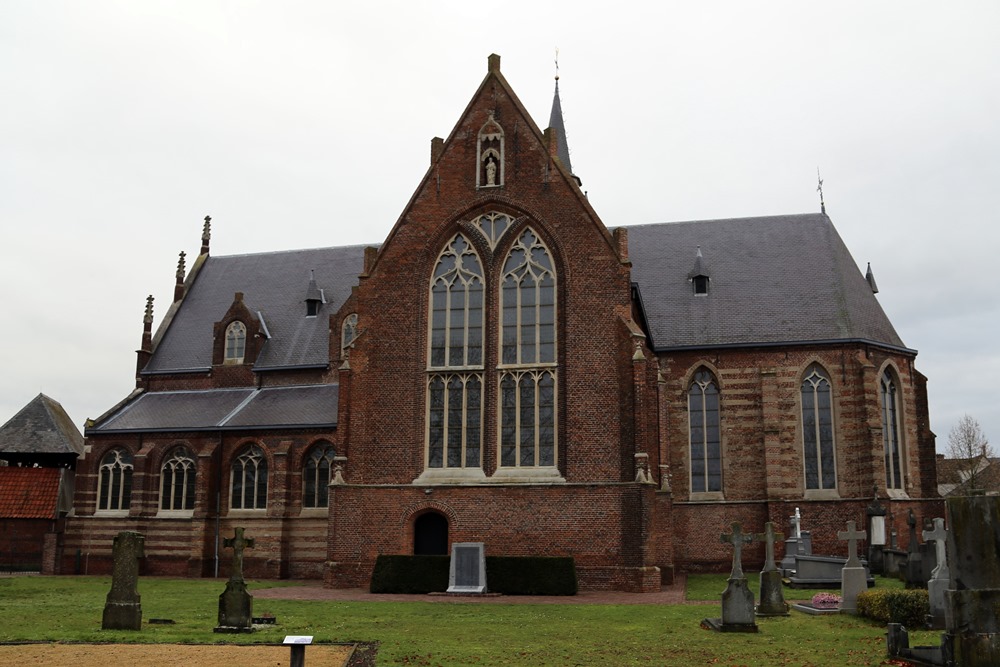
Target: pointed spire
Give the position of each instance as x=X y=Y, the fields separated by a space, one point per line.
x=145 y=350
x=556 y=123
x=206 y=234
x=179 y=284
x=870 y=277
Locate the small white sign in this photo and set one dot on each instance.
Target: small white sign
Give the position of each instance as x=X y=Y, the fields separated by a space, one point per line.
x=298 y=639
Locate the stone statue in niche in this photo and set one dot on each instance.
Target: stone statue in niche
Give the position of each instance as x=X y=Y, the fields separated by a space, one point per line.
x=489 y=154
x=491 y=171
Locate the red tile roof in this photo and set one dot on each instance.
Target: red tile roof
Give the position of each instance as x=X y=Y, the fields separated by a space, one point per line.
x=28 y=493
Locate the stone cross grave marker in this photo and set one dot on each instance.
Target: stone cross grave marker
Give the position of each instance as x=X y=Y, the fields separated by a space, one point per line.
x=772 y=598
x=940 y=578
x=737 y=599
x=797 y=524
x=914 y=559
x=236 y=603
x=467 y=573
x=853 y=579
x=122 y=610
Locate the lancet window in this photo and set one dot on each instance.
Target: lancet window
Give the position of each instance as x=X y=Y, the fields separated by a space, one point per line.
x=177 y=480
x=817 y=430
x=114 y=484
x=249 y=479
x=704 y=433
x=891 y=431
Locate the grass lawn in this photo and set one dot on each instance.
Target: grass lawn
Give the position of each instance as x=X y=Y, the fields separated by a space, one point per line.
x=442 y=633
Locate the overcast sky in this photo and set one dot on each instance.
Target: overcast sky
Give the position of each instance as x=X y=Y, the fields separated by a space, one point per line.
x=304 y=124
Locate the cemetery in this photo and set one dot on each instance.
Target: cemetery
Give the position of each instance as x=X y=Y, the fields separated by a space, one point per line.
x=901 y=618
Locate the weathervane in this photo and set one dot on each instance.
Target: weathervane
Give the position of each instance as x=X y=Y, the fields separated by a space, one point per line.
x=819 y=189
x=557 y=63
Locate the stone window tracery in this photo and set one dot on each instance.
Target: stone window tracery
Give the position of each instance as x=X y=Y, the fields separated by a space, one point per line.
x=236 y=341
x=114 y=485
x=891 y=432
x=818 y=430
x=249 y=479
x=177 y=480
x=704 y=433
x=348 y=332
x=316 y=472
x=492 y=226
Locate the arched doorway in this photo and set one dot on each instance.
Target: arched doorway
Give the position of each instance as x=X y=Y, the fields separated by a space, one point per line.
x=430 y=535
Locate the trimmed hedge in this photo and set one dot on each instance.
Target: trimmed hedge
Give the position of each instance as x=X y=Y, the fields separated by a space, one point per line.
x=504 y=574
x=909 y=607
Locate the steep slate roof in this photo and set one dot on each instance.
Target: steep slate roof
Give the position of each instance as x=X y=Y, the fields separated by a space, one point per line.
x=29 y=493
x=774 y=280
x=226 y=410
x=275 y=284
x=41 y=427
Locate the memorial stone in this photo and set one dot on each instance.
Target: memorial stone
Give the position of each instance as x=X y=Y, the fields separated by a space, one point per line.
x=854 y=579
x=236 y=603
x=772 y=599
x=467 y=573
x=737 y=599
x=122 y=609
x=939 y=581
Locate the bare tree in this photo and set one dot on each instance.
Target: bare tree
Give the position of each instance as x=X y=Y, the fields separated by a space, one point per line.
x=967 y=443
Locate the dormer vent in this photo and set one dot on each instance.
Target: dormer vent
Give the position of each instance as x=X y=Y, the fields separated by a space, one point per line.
x=314 y=296
x=870 y=277
x=698 y=276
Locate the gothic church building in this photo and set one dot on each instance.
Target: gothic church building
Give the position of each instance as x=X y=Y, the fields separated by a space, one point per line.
x=506 y=369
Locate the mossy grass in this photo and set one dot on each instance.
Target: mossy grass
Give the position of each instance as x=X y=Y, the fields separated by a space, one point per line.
x=448 y=633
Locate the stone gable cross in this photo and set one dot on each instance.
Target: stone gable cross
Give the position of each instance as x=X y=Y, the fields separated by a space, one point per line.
x=939 y=535
x=737 y=538
x=238 y=543
x=852 y=536
x=768 y=537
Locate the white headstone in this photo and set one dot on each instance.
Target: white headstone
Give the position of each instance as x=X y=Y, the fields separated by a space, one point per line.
x=468 y=568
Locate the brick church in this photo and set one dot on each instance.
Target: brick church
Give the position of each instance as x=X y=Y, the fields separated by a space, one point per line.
x=504 y=368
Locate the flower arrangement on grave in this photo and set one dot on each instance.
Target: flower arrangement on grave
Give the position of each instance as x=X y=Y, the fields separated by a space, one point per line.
x=826 y=600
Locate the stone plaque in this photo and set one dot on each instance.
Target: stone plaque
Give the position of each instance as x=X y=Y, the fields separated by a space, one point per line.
x=468 y=568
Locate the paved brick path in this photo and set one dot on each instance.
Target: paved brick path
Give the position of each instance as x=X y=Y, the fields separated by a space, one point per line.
x=673 y=594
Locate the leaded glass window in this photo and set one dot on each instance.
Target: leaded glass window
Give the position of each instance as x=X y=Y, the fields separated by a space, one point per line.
x=316 y=475
x=177 y=478
x=817 y=430
x=704 y=433
x=528 y=301
x=114 y=484
x=528 y=419
x=492 y=226
x=891 y=436
x=454 y=399
x=236 y=341
x=249 y=480
x=348 y=332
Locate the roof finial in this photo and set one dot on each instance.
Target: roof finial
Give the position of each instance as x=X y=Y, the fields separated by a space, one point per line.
x=819 y=189
x=206 y=234
x=557 y=65
x=180 y=266
x=148 y=316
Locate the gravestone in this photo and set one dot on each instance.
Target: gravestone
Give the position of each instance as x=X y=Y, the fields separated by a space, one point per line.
x=122 y=610
x=800 y=543
x=467 y=573
x=236 y=603
x=737 y=599
x=772 y=599
x=972 y=600
x=876 y=513
x=854 y=579
x=914 y=572
x=938 y=583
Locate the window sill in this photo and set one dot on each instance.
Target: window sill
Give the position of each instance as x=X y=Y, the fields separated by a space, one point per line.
x=821 y=494
x=451 y=476
x=897 y=494
x=175 y=514
x=242 y=512
x=705 y=496
x=111 y=513
x=546 y=475
x=314 y=512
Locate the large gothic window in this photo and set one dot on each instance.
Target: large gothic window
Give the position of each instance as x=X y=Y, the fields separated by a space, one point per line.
x=114 y=484
x=455 y=368
x=236 y=342
x=316 y=475
x=249 y=480
x=891 y=432
x=528 y=381
x=817 y=430
x=177 y=477
x=704 y=433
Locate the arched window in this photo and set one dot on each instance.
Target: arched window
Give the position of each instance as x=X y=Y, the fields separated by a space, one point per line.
x=114 y=485
x=249 y=480
x=177 y=477
x=817 y=430
x=236 y=342
x=316 y=475
x=455 y=359
x=528 y=381
x=891 y=432
x=704 y=433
